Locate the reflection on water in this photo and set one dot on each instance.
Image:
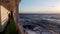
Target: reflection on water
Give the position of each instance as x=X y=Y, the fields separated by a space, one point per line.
x=41 y=23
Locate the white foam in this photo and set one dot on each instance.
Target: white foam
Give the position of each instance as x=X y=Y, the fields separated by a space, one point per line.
x=31 y=32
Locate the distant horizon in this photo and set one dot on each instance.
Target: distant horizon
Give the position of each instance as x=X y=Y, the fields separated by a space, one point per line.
x=39 y=13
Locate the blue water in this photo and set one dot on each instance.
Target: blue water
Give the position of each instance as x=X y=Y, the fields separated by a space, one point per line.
x=41 y=23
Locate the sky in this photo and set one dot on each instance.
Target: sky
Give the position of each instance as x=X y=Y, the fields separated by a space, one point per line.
x=39 y=6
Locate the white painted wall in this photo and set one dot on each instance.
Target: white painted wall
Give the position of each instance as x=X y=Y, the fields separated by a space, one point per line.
x=4 y=15
x=4 y=18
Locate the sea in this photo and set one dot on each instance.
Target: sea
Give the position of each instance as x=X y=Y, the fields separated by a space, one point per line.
x=40 y=23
